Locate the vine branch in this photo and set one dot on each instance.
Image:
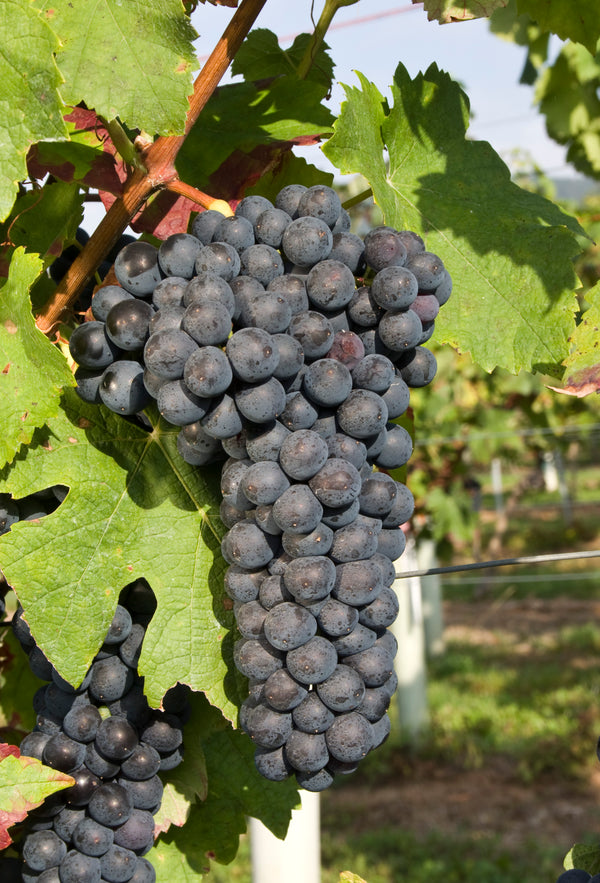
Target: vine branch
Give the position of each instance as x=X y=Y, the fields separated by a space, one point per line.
x=153 y=171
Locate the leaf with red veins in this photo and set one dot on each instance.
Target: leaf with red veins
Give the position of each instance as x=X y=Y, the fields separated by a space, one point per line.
x=89 y=157
x=24 y=785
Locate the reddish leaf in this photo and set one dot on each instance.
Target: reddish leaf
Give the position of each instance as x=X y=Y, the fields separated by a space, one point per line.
x=240 y=171
x=581 y=383
x=24 y=784
x=101 y=168
x=5 y=750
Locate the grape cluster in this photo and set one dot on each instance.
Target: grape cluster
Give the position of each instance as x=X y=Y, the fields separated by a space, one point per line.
x=575 y=875
x=113 y=744
x=283 y=342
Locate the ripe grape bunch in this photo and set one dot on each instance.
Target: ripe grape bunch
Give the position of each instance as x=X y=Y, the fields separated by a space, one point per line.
x=281 y=341
x=113 y=744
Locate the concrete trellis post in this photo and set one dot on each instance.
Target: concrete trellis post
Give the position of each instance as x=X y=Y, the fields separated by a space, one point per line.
x=297 y=859
x=410 y=658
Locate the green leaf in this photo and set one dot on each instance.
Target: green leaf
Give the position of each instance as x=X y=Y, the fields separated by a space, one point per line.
x=446 y=11
x=567 y=93
x=585 y=857
x=134 y=510
x=287 y=112
x=189 y=781
x=583 y=363
x=33 y=372
x=43 y=220
x=349 y=877
x=509 y=251
x=17 y=687
x=261 y=57
x=133 y=60
x=24 y=784
x=31 y=107
x=235 y=790
x=577 y=20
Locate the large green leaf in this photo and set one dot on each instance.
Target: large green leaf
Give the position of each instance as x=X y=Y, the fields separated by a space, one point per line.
x=135 y=509
x=235 y=791
x=32 y=371
x=509 y=251
x=567 y=93
x=29 y=78
x=577 y=20
x=133 y=60
x=261 y=57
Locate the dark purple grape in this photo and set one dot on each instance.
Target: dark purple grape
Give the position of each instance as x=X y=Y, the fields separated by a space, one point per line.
x=110 y=805
x=43 y=849
x=116 y=739
x=204 y=225
x=306 y=241
x=137 y=269
x=92 y=838
x=91 y=347
x=350 y=737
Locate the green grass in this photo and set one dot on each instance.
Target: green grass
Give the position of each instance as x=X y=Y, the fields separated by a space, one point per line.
x=392 y=855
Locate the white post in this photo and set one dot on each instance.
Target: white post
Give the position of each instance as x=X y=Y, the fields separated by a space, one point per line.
x=410 y=658
x=297 y=859
x=497 y=485
x=431 y=589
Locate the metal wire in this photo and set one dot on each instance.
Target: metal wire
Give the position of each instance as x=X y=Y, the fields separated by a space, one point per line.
x=500 y=562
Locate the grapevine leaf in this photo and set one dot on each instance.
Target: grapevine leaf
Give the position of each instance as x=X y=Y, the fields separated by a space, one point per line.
x=235 y=790
x=261 y=57
x=31 y=107
x=584 y=856
x=583 y=363
x=43 y=220
x=287 y=112
x=89 y=157
x=17 y=687
x=576 y=20
x=134 y=510
x=446 y=11
x=32 y=371
x=511 y=267
x=188 y=781
x=142 y=59
x=349 y=877
x=567 y=93
x=24 y=784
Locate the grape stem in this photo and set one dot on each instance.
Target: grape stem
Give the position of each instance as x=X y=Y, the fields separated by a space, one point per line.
x=197 y=196
x=360 y=197
x=153 y=170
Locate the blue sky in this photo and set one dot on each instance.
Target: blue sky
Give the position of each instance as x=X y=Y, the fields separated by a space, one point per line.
x=487 y=67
